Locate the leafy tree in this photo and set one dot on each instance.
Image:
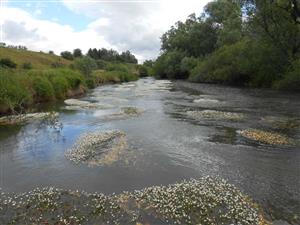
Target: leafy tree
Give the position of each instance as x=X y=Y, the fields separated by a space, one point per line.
x=67 y=55
x=86 y=65
x=77 y=53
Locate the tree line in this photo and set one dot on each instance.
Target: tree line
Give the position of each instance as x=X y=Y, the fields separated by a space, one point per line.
x=102 y=54
x=238 y=42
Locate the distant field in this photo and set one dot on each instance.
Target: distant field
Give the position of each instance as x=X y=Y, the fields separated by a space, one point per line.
x=39 y=60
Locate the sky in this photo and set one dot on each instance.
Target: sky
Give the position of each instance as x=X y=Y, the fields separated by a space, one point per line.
x=61 y=25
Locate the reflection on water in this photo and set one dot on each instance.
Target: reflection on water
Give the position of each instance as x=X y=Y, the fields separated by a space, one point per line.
x=165 y=145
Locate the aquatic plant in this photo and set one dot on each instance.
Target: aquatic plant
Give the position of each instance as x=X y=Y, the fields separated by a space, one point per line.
x=98 y=148
x=265 y=137
x=204 y=201
x=213 y=114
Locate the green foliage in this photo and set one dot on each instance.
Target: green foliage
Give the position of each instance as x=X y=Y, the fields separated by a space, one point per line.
x=43 y=89
x=60 y=86
x=86 y=65
x=13 y=96
x=67 y=55
x=111 y=55
x=168 y=65
x=27 y=66
x=245 y=42
x=7 y=63
x=77 y=53
x=115 y=76
x=291 y=80
x=101 y=64
x=143 y=71
x=91 y=83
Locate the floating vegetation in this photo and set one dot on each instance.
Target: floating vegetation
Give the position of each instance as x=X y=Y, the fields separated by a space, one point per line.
x=25 y=118
x=204 y=201
x=98 y=148
x=206 y=101
x=214 y=114
x=282 y=123
x=126 y=112
x=75 y=104
x=265 y=137
x=132 y=111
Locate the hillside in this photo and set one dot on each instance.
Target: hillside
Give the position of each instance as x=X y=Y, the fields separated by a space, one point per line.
x=38 y=60
x=28 y=78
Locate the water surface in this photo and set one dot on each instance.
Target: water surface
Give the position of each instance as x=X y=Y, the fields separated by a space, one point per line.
x=165 y=144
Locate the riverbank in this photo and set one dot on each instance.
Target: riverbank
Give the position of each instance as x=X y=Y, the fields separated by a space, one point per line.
x=20 y=90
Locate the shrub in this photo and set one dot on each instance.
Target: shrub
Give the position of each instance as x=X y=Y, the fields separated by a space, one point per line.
x=13 y=96
x=43 y=88
x=7 y=63
x=67 y=55
x=27 y=66
x=101 y=64
x=86 y=65
x=117 y=67
x=101 y=77
x=143 y=71
x=291 y=80
x=168 y=65
x=187 y=64
x=60 y=86
x=90 y=82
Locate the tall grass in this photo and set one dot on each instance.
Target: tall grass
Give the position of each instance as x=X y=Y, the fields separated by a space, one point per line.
x=20 y=88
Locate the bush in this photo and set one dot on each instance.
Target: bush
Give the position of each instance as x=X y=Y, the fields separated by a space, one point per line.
x=90 y=83
x=168 y=65
x=291 y=80
x=187 y=64
x=101 y=77
x=67 y=55
x=7 y=63
x=86 y=65
x=229 y=64
x=13 y=96
x=27 y=66
x=101 y=64
x=143 y=71
x=43 y=88
x=60 y=86
x=117 y=67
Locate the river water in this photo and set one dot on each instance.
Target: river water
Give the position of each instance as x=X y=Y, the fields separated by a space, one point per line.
x=165 y=144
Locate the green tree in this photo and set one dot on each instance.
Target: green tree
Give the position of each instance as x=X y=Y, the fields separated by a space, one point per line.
x=86 y=65
x=67 y=55
x=77 y=53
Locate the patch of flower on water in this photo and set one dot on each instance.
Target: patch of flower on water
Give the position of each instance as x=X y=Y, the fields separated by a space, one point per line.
x=206 y=101
x=214 y=114
x=98 y=148
x=205 y=201
x=132 y=111
x=75 y=104
x=126 y=113
x=24 y=118
x=265 y=137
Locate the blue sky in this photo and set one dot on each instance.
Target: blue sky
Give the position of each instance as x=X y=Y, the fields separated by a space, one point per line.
x=53 y=10
x=134 y=25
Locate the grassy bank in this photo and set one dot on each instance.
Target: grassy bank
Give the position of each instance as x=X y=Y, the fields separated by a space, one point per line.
x=50 y=78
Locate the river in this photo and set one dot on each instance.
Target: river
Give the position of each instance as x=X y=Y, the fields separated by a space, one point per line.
x=165 y=143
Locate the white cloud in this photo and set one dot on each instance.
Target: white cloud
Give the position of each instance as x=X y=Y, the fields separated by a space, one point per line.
x=23 y=29
x=136 y=25
x=122 y=25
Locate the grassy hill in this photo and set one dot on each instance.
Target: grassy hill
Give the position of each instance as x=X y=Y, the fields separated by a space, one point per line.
x=50 y=77
x=39 y=60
